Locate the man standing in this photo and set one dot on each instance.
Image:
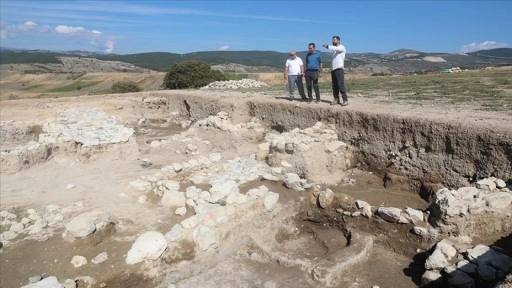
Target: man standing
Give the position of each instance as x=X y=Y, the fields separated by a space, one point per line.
x=293 y=71
x=314 y=68
x=337 y=71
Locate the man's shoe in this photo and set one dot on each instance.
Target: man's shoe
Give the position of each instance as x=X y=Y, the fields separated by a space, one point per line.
x=316 y=101
x=290 y=98
x=335 y=102
x=345 y=103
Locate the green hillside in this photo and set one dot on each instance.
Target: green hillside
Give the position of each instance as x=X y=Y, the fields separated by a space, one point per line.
x=23 y=57
x=162 y=61
x=494 y=53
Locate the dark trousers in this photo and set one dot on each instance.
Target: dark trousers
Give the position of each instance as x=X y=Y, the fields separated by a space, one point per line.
x=338 y=85
x=312 y=83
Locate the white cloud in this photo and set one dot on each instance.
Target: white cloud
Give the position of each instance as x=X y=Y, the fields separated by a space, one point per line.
x=71 y=31
x=224 y=48
x=486 y=45
x=29 y=25
x=10 y=30
x=96 y=38
x=103 y=45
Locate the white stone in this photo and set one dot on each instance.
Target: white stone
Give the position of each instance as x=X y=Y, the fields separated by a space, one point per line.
x=8 y=235
x=420 y=231
x=414 y=214
x=367 y=211
x=436 y=261
x=177 y=167
x=52 y=208
x=361 y=204
x=270 y=177
x=270 y=201
x=205 y=237
x=102 y=257
x=446 y=248
x=500 y=183
x=171 y=185
x=173 y=199
x=48 y=282
x=498 y=200
x=16 y=227
x=148 y=246
x=175 y=233
x=390 y=214
x=325 y=198
x=486 y=184
x=78 y=261
x=69 y=283
x=221 y=190
x=191 y=221
x=198 y=179
x=214 y=157
x=81 y=226
x=181 y=211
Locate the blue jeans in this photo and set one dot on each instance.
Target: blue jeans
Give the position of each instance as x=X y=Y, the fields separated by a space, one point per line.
x=296 y=79
x=338 y=85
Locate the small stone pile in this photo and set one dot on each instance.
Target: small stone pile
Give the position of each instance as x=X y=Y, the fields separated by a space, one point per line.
x=454 y=263
x=454 y=220
x=293 y=150
x=236 y=84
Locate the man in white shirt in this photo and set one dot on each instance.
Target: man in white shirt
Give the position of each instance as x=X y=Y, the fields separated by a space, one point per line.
x=337 y=71
x=293 y=71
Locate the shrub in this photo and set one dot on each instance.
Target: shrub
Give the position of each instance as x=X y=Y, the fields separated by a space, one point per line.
x=191 y=74
x=125 y=87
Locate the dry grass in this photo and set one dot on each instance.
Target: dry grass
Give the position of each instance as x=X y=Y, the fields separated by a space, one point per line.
x=484 y=89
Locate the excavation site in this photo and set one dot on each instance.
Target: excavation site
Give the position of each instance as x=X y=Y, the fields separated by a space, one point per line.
x=222 y=188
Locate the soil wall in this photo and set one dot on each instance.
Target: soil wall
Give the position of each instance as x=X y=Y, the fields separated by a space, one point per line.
x=420 y=151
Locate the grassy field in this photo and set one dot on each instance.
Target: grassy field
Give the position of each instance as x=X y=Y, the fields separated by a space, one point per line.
x=485 y=89
x=492 y=89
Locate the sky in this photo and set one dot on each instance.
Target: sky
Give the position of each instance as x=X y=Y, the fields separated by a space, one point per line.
x=130 y=27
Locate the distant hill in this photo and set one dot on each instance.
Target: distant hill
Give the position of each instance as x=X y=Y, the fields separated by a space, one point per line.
x=162 y=61
x=496 y=53
x=398 y=61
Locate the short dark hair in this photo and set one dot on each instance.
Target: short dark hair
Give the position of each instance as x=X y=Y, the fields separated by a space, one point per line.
x=312 y=44
x=337 y=37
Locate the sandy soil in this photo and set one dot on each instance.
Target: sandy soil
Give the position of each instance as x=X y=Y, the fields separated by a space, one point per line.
x=101 y=183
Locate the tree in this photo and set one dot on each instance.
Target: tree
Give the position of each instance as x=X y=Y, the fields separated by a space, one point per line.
x=191 y=74
x=125 y=87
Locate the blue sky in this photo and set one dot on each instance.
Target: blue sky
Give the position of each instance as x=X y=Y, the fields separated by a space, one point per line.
x=128 y=27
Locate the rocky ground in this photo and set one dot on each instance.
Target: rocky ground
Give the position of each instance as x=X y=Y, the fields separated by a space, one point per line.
x=130 y=191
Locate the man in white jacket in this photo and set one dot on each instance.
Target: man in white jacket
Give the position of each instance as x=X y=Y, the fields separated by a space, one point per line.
x=337 y=71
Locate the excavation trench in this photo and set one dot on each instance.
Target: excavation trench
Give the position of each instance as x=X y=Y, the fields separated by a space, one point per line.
x=392 y=160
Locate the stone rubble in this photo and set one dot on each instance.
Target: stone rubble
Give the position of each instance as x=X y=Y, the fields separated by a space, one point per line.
x=451 y=217
x=87 y=127
x=236 y=84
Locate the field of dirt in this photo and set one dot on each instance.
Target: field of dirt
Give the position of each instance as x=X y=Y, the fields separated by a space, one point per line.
x=259 y=248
